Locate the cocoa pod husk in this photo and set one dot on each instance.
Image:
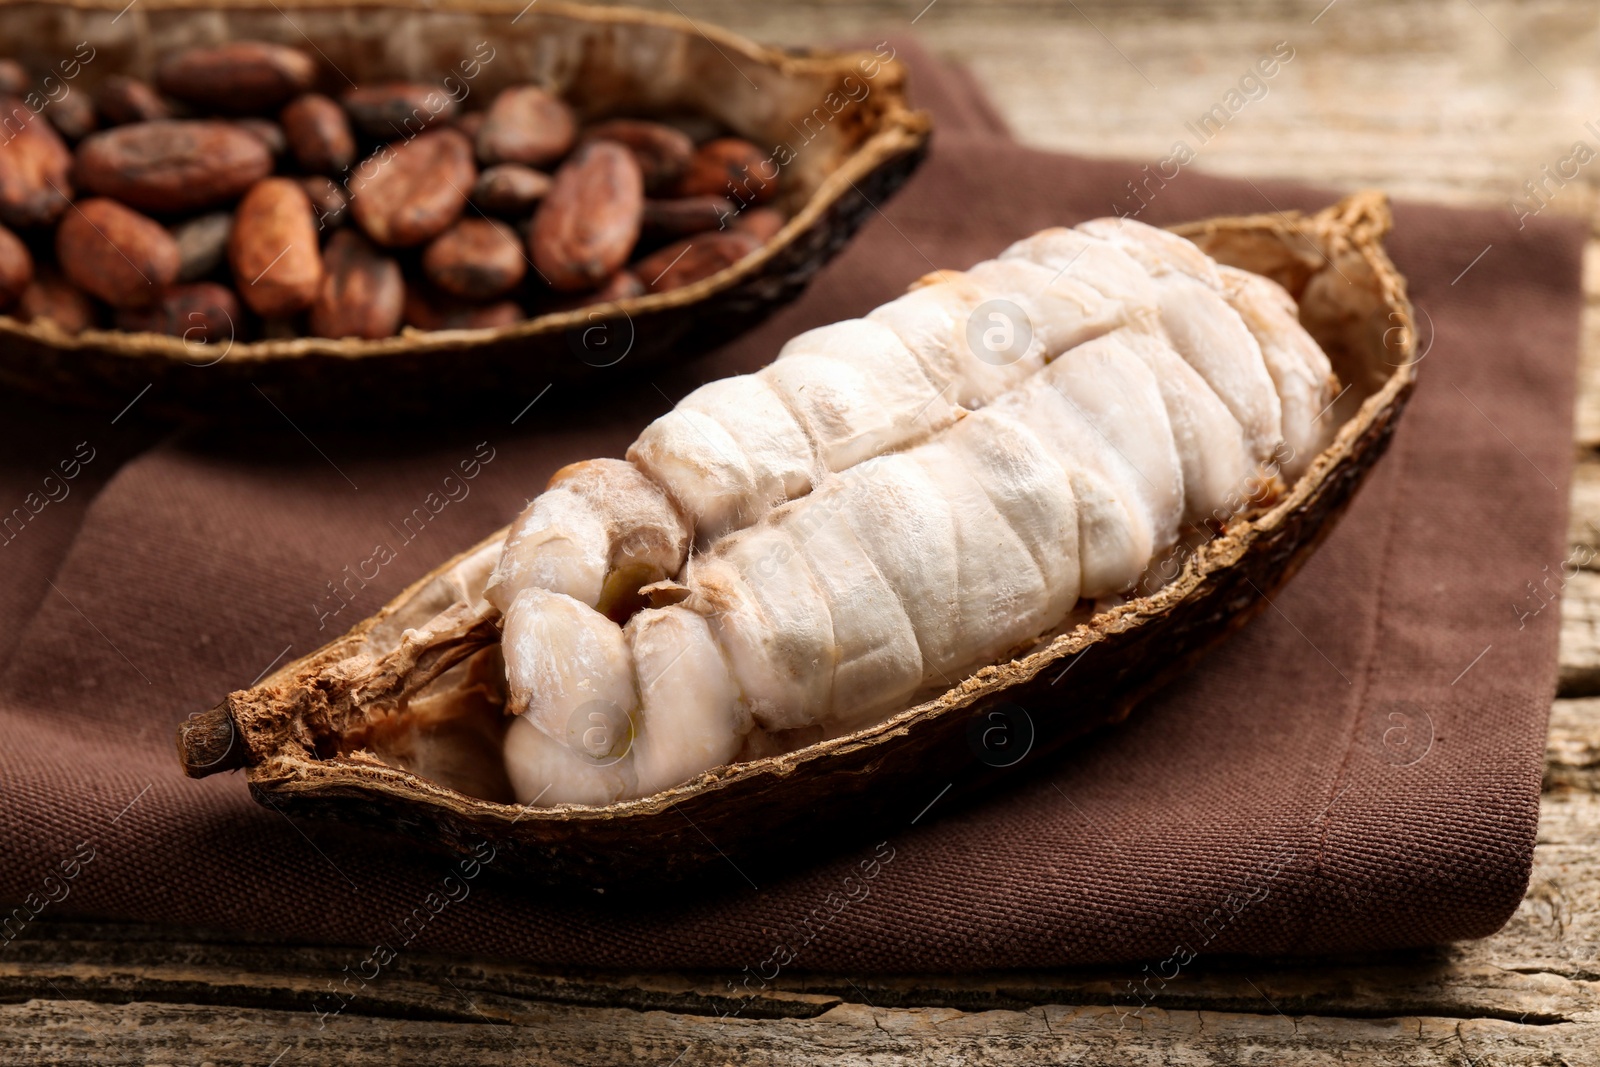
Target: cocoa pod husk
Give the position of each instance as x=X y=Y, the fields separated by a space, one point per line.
x=510 y=190
x=35 y=167
x=112 y=252
x=173 y=167
x=693 y=259
x=526 y=125
x=363 y=293
x=240 y=77
x=273 y=251
x=397 y=110
x=202 y=244
x=431 y=310
x=51 y=298
x=476 y=259
x=588 y=224
x=319 y=134
x=663 y=152
x=730 y=167
x=201 y=313
x=122 y=100
x=412 y=191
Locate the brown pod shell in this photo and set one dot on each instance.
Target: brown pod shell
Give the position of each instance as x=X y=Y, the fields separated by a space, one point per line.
x=588 y=223
x=663 y=152
x=112 y=252
x=395 y=111
x=201 y=313
x=121 y=100
x=476 y=259
x=273 y=251
x=319 y=134
x=16 y=268
x=684 y=215
x=174 y=166
x=35 y=168
x=429 y=310
x=694 y=259
x=241 y=77
x=411 y=192
x=202 y=244
x=328 y=200
x=53 y=299
x=510 y=190
x=731 y=167
x=363 y=293
x=73 y=116
x=526 y=125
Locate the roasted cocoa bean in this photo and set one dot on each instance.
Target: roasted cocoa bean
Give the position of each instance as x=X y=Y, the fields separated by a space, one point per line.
x=202 y=244
x=425 y=310
x=761 y=222
x=121 y=100
x=470 y=124
x=687 y=214
x=34 y=167
x=201 y=313
x=267 y=132
x=240 y=77
x=328 y=201
x=173 y=167
x=623 y=284
x=589 y=222
x=363 y=293
x=693 y=259
x=113 y=252
x=412 y=191
x=16 y=267
x=53 y=299
x=510 y=189
x=732 y=168
x=398 y=110
x=477 y=259
x=13 y=78
x=319 y=134
x=73 y=116
x=662 y=152
x=273 y=251
x=526 y=125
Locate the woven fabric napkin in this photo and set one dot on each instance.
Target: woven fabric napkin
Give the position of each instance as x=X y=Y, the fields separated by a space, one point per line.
x=1357 y=769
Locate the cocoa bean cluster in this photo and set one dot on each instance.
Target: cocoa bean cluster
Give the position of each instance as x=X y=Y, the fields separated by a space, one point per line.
x=228 y=197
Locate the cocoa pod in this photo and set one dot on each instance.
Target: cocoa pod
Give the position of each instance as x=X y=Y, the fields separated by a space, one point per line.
x=113 y=252
x=733 y=168
x=662 y=152
x=477 y=259
x=761 y=222
x=694 y=258
x=121 y=100
x=526 y=125
x=426 y=310
x=510 y=189
x=201 y=313
x=589 y=222
x=267 y=132
x=13 y=78
x=328 y=201
x=273 y=249
x=16 y=267
x=687 y=214
x=241 y=77
x=397 y=110
x=173 y=166
x=34 y=167
x=319 y=134
x=51 y=298
x=410 y=192
x=202 y=244
x=363 y=293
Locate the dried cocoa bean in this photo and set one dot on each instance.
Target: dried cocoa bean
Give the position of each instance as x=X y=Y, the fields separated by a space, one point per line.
x=273 y=250
x=662 y=152
x=202 y=244
x=13 y=78
x=398 y=110
x=34 y=168
x=693 y=259
x=362 y=294
x=476 y=259
x=51 y=298
x=173 y=166
x=122 y=100
x=73 y=116
x=589 y=222
x=267 y=132
x=426 y=310
x=410 y=192
x=319 y=134
x=526 y=125
x=623 y=284
x=328 y=201
x=470 y=124
x=201 y=313
x=762 y=222
x=16 y=267
x=733 y=168
x=113 y=252
x=240 y=77
x=510 y=189
x=688 y=214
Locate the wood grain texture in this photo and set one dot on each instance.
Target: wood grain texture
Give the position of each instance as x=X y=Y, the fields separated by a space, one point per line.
x=1461 y=102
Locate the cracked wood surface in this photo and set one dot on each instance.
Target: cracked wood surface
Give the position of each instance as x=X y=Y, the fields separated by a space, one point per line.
x=1428 y=98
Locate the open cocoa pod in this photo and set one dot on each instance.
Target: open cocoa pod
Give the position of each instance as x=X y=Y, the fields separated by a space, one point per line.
x=327 y=735
x=837 y=125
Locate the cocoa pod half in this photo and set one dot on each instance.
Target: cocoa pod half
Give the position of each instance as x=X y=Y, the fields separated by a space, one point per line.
x=273 y=251
x=425 y=310
x=241 y=77
x=407 y=193
x=35 y=165
x=174 y=166
x=201 y=313
x=51 y=298
x=363 y=293
x=733 y=168
x=398 y=110
x=662 y=152
x=113 y=252
x=588 y=223
x=16 y=268
x=510 y=190
x=526 y=125
x=693 y=259
x=122 y=100
x=477 y=259
x=319 y=134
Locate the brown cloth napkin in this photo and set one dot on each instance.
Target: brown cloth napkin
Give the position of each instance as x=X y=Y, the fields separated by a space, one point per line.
x=1357 y=769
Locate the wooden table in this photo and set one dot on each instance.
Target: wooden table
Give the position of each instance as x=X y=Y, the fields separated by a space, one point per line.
x=1461 y=101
